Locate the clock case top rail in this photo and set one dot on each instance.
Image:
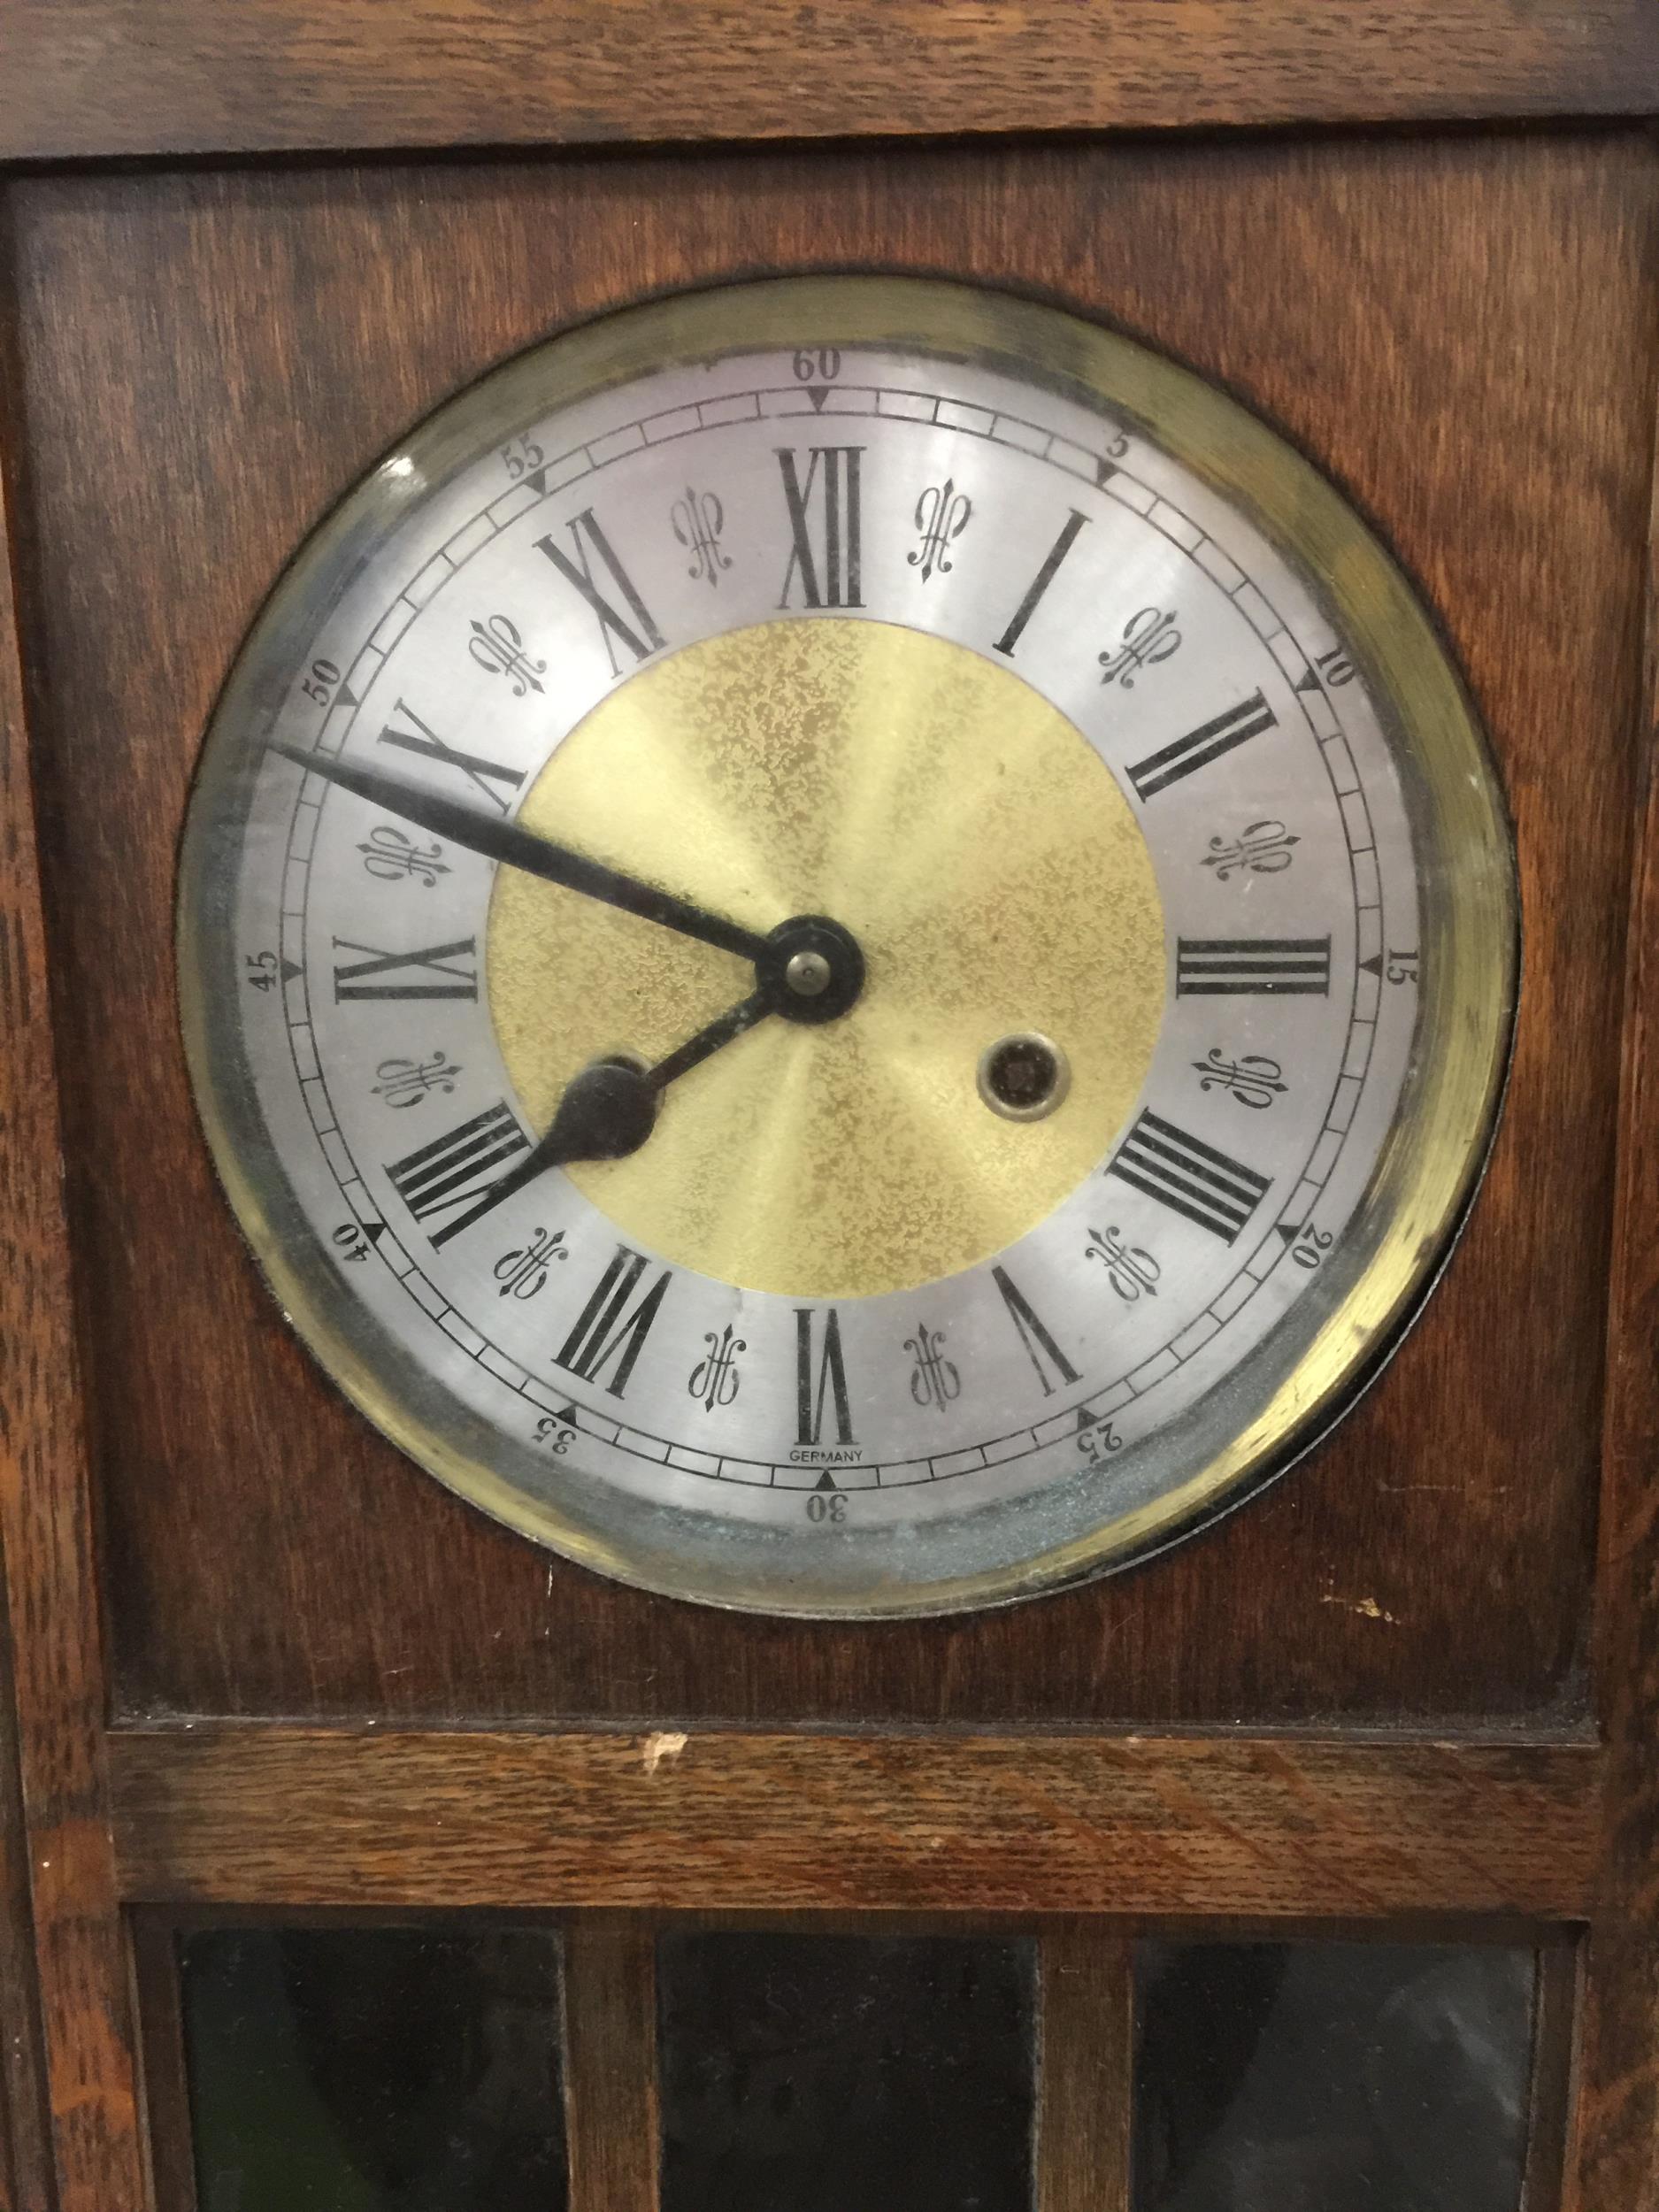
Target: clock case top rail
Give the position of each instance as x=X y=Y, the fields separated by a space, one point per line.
x=89 y=80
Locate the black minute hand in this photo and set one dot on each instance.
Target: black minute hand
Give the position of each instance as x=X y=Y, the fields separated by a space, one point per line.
x=520 y=848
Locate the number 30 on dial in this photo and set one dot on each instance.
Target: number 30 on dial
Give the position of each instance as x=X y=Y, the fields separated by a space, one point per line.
x=847 y=947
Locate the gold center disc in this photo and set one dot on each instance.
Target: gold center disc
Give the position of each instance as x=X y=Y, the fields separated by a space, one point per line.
x=973 y=843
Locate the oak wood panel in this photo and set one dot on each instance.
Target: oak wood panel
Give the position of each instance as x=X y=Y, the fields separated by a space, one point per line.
x=781 y=1824
x=81 y=77
x=1086 y=2069
x=1616 y=2143
x=207 y=360
x=65 y=1877
x=612 y=2108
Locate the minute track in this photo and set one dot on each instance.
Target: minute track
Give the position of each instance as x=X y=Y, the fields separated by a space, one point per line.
x=482 y=1314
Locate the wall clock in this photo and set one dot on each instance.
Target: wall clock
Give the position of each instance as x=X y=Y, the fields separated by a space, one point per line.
x=847 y=946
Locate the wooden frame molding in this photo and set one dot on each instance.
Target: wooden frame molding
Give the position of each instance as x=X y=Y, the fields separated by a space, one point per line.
x=1287 y=1829
x=92 y=78
x=61 y=1868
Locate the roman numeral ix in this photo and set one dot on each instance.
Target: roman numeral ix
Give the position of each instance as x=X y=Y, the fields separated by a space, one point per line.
x=606 y=1330
x=641 y=636
x=1158 y=770
x=447 y=1171
x=1214 y=967
x=1192 y=1178
x=433 y=972
x=826 y=552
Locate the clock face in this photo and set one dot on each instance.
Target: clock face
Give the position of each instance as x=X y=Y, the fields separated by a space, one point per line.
x=846 y=947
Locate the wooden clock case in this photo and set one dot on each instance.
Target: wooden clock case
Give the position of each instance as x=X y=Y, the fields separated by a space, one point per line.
x=257 y=1660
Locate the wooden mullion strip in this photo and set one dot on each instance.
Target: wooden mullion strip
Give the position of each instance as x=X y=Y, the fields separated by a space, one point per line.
x=164 y=2070
x=612 y=2115
x=1554 y=2036
x=1152 y=1826
x=80 y=79
x=1086 y=2069
x=46 y=1516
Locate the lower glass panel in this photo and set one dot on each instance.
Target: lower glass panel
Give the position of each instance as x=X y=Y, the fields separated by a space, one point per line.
x=804 y=2073
x=1299 y=2077
x=375 y=2069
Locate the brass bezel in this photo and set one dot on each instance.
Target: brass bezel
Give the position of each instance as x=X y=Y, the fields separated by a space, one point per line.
x=1470 y=945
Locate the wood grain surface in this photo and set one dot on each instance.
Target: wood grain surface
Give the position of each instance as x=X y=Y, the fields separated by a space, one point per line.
x=1460 y=328
x=1616 y=2144
x=65 y=1877
x=1085 y=2073
x=612 y=2107
x=781 y=1823
x=92 y=78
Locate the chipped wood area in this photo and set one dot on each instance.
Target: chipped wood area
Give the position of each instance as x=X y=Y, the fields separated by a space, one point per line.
x=790 y=1823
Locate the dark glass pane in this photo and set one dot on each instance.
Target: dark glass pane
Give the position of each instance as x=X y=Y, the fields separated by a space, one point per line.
x=840 y=2074
x=1294 y=2077
x=375 y=2069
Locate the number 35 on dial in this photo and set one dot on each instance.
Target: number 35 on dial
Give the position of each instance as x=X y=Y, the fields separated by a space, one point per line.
x=847 y=947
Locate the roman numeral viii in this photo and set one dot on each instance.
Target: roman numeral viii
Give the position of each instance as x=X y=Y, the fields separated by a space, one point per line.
x=1158 y=770
x=1214 y=967
x=454 y=1170
x=826 y=533
x=1192 y=1178
x=830 y=1382
x=433 y=972
x=607 y=1330
x=641 y=636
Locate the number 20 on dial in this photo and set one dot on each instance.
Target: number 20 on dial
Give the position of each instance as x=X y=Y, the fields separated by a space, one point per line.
x=847 y=947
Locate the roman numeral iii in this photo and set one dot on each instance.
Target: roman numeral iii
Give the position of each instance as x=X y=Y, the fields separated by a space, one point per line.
x=1212 y=967
x=1189 y=1177
x=1158 y=770
x=825 y=531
